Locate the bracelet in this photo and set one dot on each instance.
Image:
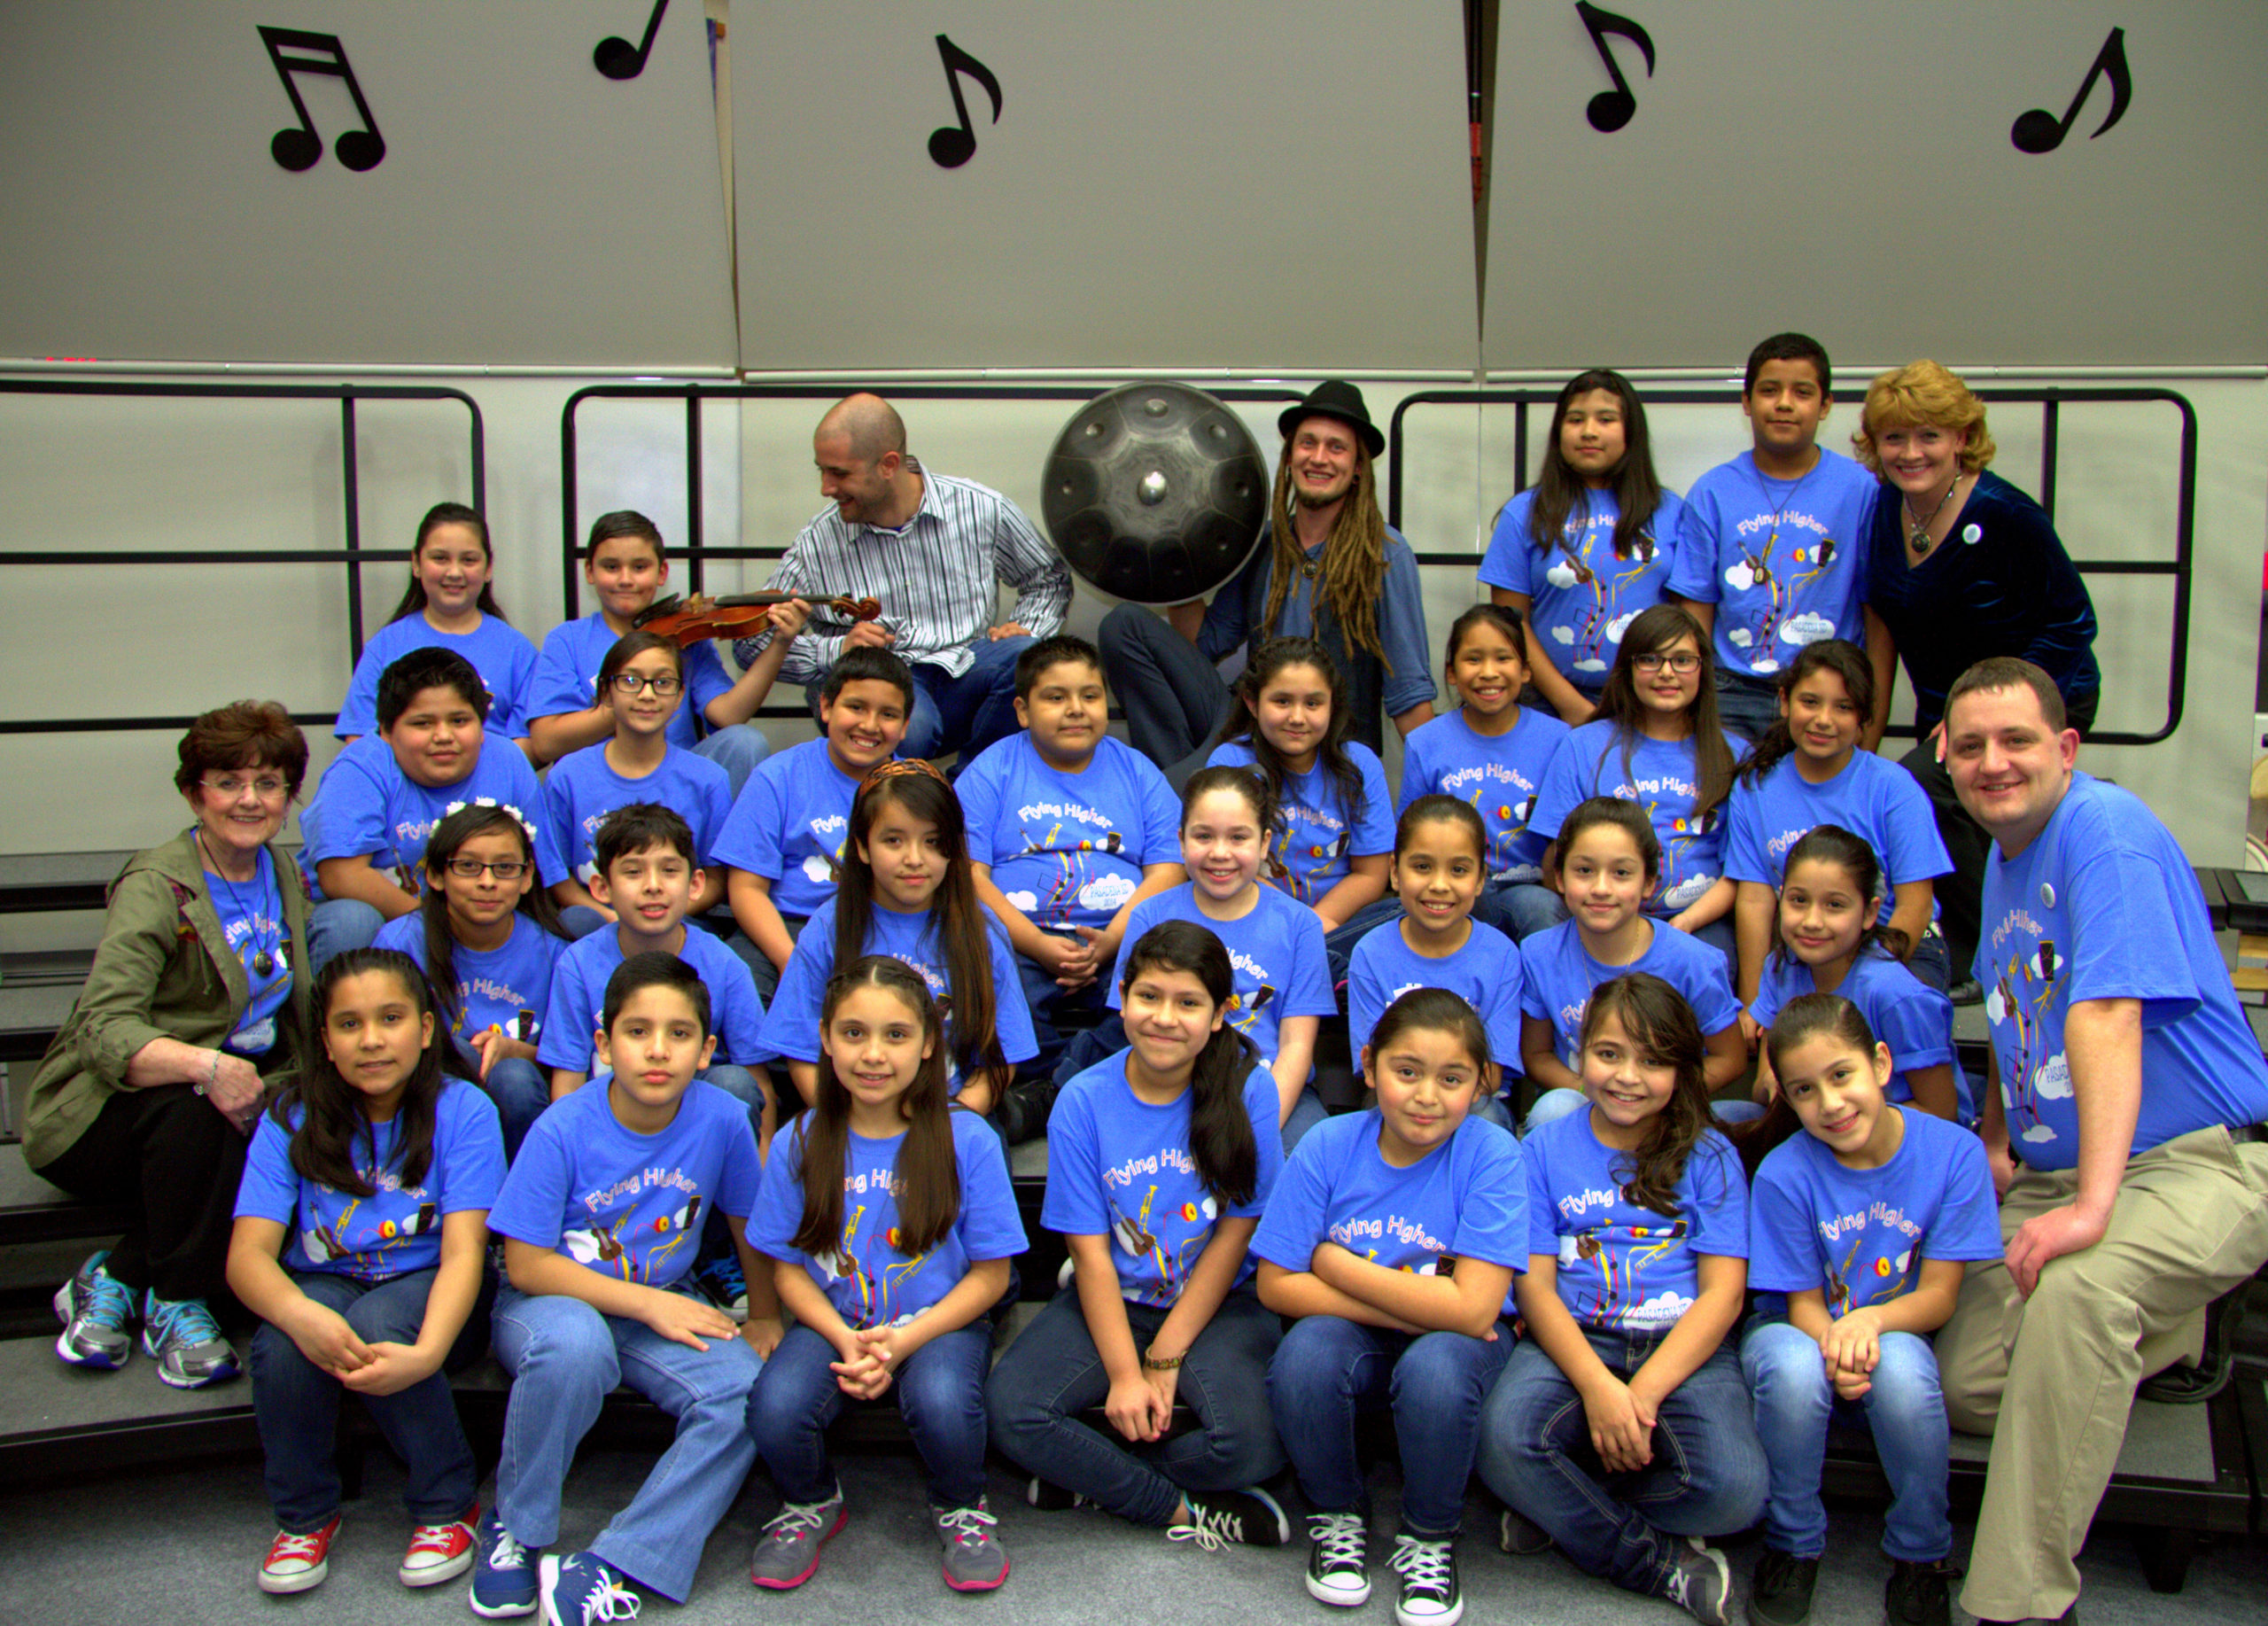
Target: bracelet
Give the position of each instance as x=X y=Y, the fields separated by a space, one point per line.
x=212 y=1076
x=1162 y=1363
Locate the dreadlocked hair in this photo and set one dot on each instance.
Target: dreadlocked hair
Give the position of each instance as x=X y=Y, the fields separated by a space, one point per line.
x=1661 y=1027
x=1221 y=1141
x=440 y=943
x=1353 y=561
x=1268 y=662
x=1651 y=632
x=1847 y=662
x=332 y=1118
x=1560 y=492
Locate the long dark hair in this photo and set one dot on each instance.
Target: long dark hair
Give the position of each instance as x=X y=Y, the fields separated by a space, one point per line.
x=1663 y=1029
x=440 y=943
x=1848 y=662
x=1832 y=843
x=1805 y=1017
x=1559 y=489
x=332 y=1117
x=927 y=1175
x=1267 y=661
x=1650 y=633
x=449 y=514
x=1221 y=1141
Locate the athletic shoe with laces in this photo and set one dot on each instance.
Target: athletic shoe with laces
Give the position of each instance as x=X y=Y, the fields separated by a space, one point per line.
x=1050 y=1497
x=579 y=1590
x=1919 y=1594
x=1779 y=1594
x=294 y=1563
x=1218 y=1519
x=182 y=1336
x=96 y=1310
x=788 y=1547
x=440 y=1552
x=722 y=1283
x=1338 y=1562
x=503 y=1574
x=1521 y=1536
x=974 y=1561
x=1430 y=1594
x=1701 y=1583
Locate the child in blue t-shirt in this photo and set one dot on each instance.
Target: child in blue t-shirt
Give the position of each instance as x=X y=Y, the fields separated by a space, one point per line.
x=1393 y=1238
x=1159 y=1163
x=450 y=604
x=1864 y=1220
x=782 y=842
x=1771 y=555
x=360 y=1242
x=1590 y=545
x=1637 y=1271
x=891 y=1224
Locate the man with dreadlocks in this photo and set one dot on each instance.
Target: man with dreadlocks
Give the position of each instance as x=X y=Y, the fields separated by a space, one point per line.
x=1328 y=567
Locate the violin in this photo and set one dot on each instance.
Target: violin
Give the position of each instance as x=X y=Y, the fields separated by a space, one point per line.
x=739 y=615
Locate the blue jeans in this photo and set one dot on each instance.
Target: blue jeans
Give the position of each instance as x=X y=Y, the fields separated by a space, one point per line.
x=940 y=1391
x=964 y=713
x=1338 y=943
x=1519 y=909
x=1931 y=961
x=520 y=1091
x=338 y=925
x=760 y=968
x=1707 y=1477
x=295 y=1404
x=1051 y=1374
x=1047 y=1000
x=1328 y=1370
x=1307 y=1112
x=736 y=749
x=1747 y=706
x=564 y=1359
x=1905 y=1410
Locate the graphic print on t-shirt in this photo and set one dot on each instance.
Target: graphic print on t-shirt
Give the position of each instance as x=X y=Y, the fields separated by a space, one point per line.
x=1809 y=554
x=635 y=1229
x=1596 y=631
x=1622 y=1253
x=1075 y=883
x=2024 y=994
x=362 y=1231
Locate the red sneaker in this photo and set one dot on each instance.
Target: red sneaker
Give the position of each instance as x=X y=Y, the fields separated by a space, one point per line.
x=295 y=1563
x=439 y=1552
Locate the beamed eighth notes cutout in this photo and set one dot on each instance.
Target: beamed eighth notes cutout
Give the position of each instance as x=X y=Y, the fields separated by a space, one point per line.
x=2041 y=131
x=299 y=149
x=1611 y=109
x=617 y=58
x=950 y=147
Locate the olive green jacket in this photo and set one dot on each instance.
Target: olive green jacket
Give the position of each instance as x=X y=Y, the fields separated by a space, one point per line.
x=163 y=971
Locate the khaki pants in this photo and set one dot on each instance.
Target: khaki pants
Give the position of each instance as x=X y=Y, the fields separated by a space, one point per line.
x=2051 y=1377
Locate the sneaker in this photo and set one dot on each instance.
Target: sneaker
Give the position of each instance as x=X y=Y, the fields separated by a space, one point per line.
x=98 y=1315
x=294 y=1563
x=1780 y=1592
x=440 y=1552
x=723 y=1285
x=1521 y=1536
x=1430 y=1595
x=788 y=1547
x=1701 y=1585
x=579 y=1589
x=974 y=1561
x=1051 y=1498
x=1968 y=991
x=1918 y=1594
x=182 y=1336
x=1339 y=1563
x=503 y=1578
x=1249 y=1518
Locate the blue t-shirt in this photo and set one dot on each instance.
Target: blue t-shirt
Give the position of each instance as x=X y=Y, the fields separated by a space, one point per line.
x=508 y=987
x=789 y=824
x=868 y=1280
x=1873 y=797
x=1320 y=834
x=1485 y=974
x=791 y=1026
x=2102 y=905
x=1784 y=561
x=581 y=790
x=499 y=651
x=629 y=1206
x=365 y=805
x=1276 y=953
x=567 y=676
x=1664 y=779
x=1858 y=1235
x=1463 y=1200
x=1068 y=849
x=1914 y=1019
x=1498 y=775
x=396 y=1230
x=252 y=923
x=1557 y=975
x=1121 y=1168
x=572 y=1016
x=1622 y=1266
x=1579 y=606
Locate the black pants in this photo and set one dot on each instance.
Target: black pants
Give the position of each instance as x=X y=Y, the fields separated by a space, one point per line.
x=171 y=1162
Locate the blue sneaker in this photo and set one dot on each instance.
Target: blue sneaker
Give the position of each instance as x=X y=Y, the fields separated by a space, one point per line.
x=98 y=1315
x=722 y=1283
x=503 y=1574
x=182 y=1336
x=579 y=1589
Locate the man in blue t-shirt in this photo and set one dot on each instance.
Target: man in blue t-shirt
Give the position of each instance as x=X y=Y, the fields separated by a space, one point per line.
x=2123 y=1134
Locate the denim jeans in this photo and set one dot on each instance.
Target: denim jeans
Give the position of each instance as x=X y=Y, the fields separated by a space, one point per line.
x=295 y=1404
x=964 y=713
x=1905 y=1410
x=520 y=1091
x=940 y=1393
x=1747 y=706
x=338 y=925
x=736 y=749
x=564 y=1359
x=1328 y=1370
x=1519 y=909
x=1051 y=1374
x=766 y=975
x=1307 y=1112
x=1048 y=1001
x=1931 y=962
x=1338 y=942
x=1707 y=1476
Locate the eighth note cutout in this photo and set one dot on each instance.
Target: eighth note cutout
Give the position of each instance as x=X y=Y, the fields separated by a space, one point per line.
x=950 y=147
x=2039 y=131
x=1609 y=110
x=617 y=58
x=301 y=148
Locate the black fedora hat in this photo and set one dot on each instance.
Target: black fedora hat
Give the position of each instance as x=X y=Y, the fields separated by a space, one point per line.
x=1335 y=398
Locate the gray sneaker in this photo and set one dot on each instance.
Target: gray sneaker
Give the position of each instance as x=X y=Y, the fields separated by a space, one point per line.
x=788 y=1547
x=974 y=1559
x=180 y=1336
x=98 y=1315
x=1701 y=1585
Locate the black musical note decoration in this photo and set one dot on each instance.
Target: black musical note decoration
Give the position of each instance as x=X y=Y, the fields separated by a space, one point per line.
x=1609 y=110
x=951 y=147
x=300 y=148
x=2039 y=131
x=617 y=58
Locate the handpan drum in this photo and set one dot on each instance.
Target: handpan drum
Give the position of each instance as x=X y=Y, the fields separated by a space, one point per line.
x=1155 y=492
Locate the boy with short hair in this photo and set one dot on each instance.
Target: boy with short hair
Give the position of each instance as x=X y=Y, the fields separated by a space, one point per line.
x=1770 y=556
x=363 y=835
x=598 y=1215
x=783 y=839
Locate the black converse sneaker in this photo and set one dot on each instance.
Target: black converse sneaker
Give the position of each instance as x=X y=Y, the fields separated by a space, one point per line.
x=1918 y=1594
x=1430 y=1595
x=1338 y=1564
x=1220 y=1518
x=1780 y=1594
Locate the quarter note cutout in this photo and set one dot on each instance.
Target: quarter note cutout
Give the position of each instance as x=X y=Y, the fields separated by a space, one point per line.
x=951 y=147
x=617 y=58
x=1609 y=110
x=2041 y=131
x=299 y=149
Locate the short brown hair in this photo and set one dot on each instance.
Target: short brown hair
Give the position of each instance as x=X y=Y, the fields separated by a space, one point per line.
x=245 y=734
x=1996 y=672
x=1925 y=394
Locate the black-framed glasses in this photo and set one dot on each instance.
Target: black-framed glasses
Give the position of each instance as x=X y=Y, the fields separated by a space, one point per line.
x=662 y=683
x=503 y=869
x=229 y=786
x=1681 y=663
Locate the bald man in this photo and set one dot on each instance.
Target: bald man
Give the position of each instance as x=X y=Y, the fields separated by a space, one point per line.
x=932 y=550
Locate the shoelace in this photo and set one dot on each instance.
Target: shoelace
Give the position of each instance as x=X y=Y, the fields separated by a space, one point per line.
x=108 y=1301
x=1423 y=1565
x=971 y=1526
x=185 y=1321
x=506 y=1552
x=1212 y=1528
x=609 y=1600
x=434 y=1537
x=1342 y=1537
x=797 y=1518
x=290 y=1547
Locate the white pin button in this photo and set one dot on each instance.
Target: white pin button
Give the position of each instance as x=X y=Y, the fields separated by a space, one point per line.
x=2046 y=895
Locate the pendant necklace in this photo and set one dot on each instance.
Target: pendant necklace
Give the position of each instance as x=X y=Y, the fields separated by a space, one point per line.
x=1917 y=529
x=263 y=963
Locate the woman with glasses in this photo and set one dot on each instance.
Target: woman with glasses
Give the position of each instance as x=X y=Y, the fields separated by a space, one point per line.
x=198 y=992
